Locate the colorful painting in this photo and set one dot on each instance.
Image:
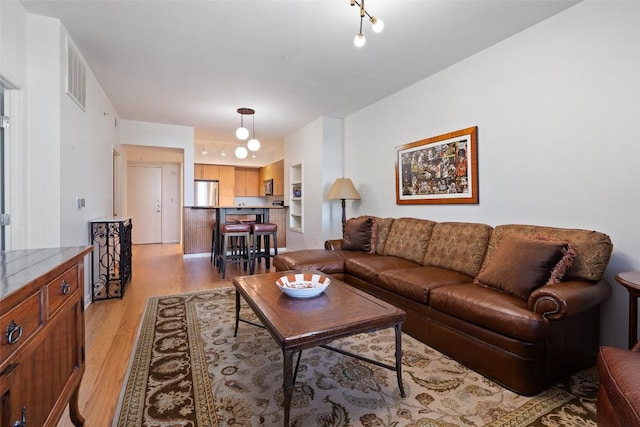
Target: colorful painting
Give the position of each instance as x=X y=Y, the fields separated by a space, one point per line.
x=442 y=169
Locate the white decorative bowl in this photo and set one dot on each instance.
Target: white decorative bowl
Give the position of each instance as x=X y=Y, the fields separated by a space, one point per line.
x=303 y=285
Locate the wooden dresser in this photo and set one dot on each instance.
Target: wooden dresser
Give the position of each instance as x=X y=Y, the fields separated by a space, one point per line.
x=42 y=353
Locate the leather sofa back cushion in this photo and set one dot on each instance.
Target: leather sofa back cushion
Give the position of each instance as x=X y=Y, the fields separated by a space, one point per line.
x=520 y=265
x=408 y=238
x=357 y=234
x=458 y=246
x=592 y=248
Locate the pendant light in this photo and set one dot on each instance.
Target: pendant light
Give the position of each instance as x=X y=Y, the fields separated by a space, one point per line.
x=242 y=133
x=376 y=24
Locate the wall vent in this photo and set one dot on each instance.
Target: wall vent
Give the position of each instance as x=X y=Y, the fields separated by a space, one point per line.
x=76 y=75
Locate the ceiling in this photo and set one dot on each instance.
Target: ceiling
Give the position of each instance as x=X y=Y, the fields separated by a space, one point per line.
x=194 y=63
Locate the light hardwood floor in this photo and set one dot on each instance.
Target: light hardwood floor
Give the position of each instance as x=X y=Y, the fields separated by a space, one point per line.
x=111 y=326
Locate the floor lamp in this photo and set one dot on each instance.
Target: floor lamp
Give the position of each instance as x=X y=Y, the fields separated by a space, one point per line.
x=343 y=189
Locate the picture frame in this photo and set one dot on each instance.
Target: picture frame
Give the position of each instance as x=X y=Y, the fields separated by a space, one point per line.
x=439 y=170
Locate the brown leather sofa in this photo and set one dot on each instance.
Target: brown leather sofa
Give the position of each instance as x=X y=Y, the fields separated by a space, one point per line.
x=618 y=394
x=511 y=325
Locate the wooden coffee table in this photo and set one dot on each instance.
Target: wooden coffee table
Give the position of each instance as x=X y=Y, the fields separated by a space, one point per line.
x=297 y=324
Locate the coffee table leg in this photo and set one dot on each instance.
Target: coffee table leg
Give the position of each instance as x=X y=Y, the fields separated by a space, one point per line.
x=235 y=333
x=398 y=329
x=287 y=382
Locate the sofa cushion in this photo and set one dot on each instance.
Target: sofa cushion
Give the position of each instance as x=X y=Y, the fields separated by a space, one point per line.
x=458 y=246
x=382 y=226
x=496 y=311
x=327 y=261
x=416 y=283
x=369 y=267
x=593 y=249
x=520 y=265
x=408 y=238
x=357 y=234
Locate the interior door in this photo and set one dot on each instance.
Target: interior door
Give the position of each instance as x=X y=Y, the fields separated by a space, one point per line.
x=144 y=201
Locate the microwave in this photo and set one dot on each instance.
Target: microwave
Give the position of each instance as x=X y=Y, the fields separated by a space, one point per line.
x=267 y=186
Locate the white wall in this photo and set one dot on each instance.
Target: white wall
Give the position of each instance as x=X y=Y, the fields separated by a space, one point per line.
x=556 y=108
x=13 y=42
x=167 y=136
x=86 y=159
x=318 y=147
x=58 y=151
x=43 y=131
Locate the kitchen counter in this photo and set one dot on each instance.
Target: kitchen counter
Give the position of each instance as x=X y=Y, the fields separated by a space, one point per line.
x=198 y=224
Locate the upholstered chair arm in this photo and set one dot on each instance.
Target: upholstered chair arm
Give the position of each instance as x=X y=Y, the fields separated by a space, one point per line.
x=563 y=299
x=333 y=245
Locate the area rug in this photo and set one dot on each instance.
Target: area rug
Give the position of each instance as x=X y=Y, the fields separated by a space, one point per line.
x=187 y=369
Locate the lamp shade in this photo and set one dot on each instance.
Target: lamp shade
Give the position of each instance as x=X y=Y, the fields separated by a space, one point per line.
x=343 y=188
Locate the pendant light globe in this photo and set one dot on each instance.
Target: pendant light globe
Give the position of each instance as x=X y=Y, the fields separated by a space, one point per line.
x=253 y=144
x=241 y=152
x=242 y=133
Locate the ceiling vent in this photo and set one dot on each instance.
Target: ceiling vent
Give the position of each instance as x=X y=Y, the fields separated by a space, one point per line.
x=76 y=75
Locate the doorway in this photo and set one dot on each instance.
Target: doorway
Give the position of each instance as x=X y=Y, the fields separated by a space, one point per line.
x=144 y=201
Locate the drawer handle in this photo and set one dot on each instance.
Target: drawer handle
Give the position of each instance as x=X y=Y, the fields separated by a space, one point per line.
x=22 y=422
x=66 y=287
x=13 y=332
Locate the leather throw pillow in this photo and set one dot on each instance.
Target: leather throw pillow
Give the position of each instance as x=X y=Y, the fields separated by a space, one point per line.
x=520 y=265
x=357 y=234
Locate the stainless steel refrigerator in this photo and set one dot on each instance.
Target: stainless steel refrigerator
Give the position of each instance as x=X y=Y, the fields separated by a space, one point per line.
x=205 y=193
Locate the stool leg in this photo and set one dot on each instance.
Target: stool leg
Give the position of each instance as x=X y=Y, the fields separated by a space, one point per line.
x=267 y=252
x=213 y=246
x=222 y=263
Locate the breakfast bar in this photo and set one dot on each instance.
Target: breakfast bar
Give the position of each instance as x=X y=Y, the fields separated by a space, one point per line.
x=199 y=222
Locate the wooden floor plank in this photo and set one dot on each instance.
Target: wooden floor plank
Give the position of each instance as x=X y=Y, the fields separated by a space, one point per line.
x=111 y=326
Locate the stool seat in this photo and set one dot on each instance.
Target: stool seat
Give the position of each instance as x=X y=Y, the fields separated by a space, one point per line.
x=236 y=228
x=261 y=227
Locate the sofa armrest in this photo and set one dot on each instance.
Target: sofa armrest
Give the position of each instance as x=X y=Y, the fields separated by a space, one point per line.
x=333 y=245
x=564 y=299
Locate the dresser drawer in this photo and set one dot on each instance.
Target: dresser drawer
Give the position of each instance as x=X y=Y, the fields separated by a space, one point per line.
x=19 y=324
x=61 y=288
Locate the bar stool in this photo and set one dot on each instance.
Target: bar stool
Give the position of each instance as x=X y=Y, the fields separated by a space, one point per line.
x=264 y=231
x=214 y=249
x=236 y=247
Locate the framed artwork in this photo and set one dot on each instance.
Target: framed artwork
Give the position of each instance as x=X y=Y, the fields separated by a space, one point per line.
x=439 y=170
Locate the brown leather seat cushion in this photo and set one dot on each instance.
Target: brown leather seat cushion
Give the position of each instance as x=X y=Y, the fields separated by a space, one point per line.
x=416 y=283
x=490 y=309
x=264 y=227
x=618 y=394
x=369 y=267
x=327 y=261
x=236 y=228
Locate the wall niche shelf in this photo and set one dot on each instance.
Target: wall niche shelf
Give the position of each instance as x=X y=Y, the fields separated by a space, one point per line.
x=296 y=198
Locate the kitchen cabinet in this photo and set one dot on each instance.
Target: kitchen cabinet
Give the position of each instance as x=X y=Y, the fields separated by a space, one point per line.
x=227 y=185
x=226 y=177
x=247 y=182
x=42 y=354
x=278 y=178
x=210 y=172
x=273 y=171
